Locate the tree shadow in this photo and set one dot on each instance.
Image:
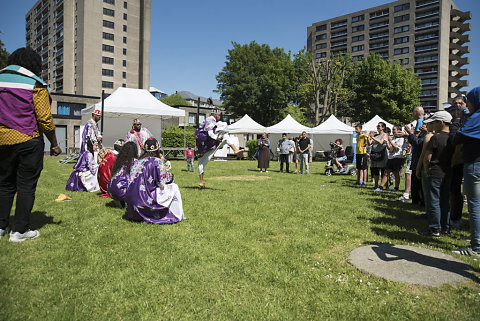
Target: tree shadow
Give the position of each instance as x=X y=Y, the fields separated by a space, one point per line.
x=38 y=219
x=388 y=252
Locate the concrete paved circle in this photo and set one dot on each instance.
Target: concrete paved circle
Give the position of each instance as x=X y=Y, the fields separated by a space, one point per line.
x=411 y=264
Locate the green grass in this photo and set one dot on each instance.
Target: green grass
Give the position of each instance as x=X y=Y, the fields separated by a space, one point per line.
x=272 y=249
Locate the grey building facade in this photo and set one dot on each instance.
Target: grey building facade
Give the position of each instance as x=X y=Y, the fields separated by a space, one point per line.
x=428 y=35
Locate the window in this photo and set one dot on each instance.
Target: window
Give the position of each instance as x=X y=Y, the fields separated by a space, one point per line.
x=429 y=81
x=427 y=36
x=107 y=84
x=107 y=72
x=426 y=25
x=124 y=85
x=124 y=63
x=124 y=16
x=401 y=29
x=426 y=70
x=109 y=12
x=379 y=35
x=124 y=51
x=358 y=28
x=359 y=58
x=400 y=40
x=321 y=28
x=358 y=48
x=403 y=61
x=339 y=52
x=338 y=24
x=321 y=55
x=339 y=34
x=426 y=48
x=192 y=118
x=124 y=39
x=426 y=59
x=384 y=55
x=124 y=74
x=424 y=93
x=378 y=14
x=72 y=110
x=125 y=4
x=109 y=1
x=321 y=46
x=402 y=18
x=108 y=36
x=108 y=24
x=402 y=7
x=358 y=38
x=400 y=51
x=107 y=60
x=338 y=43
x=358 y=18
x=321 y=37
x=125 y=28
x=427 y=14
x=107 y=48
x=379 y=45
x=379 y=25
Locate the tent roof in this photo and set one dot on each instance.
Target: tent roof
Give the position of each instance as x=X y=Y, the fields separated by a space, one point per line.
x=288 y=125
x=246 y=125
x=371 y=125
x=136 y=102
x=333 y=126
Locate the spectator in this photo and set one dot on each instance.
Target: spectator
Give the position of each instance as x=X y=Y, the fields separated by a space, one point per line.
x=190 y=156
x=408 y=173
x=263 y=153
x=395 y=161
x=378 y=155
x=310 y=151
x=469 y=136
x=361 y=156
x=303 y=148
x=25 y=115
x=296 y=153
x=284 y=145
x=291 y=154
x=340 y=156
x=437 y=170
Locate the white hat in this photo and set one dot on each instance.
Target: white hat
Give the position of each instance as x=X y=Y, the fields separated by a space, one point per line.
x=439 y=115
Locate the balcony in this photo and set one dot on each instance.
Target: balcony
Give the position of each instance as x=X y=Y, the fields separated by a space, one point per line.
x=419 y=39
x=60 y=26
x=344 y=34
x=427 y=4
x=338 y=25
x=58 y=2
x=59 y=14
x=378 y=26
x=379 y=16
x=59 y=40
x=59 y=52
x=428 y=14
x=426 y=26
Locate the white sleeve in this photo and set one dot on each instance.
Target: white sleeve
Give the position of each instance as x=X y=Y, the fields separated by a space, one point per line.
x=212 y=134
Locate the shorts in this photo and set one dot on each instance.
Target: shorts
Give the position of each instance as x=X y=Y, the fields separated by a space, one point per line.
x=395 y=164
x=341 y=159
x=361 y=161
x=408 y=170
x=377 y=171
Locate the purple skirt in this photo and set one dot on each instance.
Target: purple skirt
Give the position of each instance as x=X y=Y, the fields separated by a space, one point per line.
x=74 y=183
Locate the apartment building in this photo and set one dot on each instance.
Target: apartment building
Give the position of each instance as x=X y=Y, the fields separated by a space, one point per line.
x=90 y=45
x=428 y=35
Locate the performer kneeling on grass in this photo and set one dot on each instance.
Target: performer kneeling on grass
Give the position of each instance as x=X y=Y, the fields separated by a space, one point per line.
x=106 y=159
x=117 y=186
x=211 y=136
x=84 y=175
x=151 y=194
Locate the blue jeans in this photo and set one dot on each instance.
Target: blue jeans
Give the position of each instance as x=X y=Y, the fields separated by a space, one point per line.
x=471 y=186
x=190 y=164
x=437 y=202
x=303 y=159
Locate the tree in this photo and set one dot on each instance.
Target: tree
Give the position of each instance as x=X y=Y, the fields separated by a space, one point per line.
x=383 y=88
x=3 y=55
x=258 y=81
x=174 y=100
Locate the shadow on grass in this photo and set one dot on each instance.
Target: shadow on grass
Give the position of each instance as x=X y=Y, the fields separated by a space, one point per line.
x=38 y=219
x=388 y=252
x=205 y=188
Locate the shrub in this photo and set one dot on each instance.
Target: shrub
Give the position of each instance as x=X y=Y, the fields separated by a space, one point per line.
x=172 y=136
x=252 y=147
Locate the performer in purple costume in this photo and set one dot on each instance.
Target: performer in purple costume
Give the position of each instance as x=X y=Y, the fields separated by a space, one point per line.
x=91 y=131
x=84 y=175
x=151 y=194
x=208 y=140
x=117 y=187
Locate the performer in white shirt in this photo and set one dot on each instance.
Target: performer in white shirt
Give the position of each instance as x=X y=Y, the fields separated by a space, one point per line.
x=138 y=135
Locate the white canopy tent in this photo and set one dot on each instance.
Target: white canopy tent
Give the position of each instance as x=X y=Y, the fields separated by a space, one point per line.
x=329 y=131
x=126 y=104
x=246 y=125
x=288 y=125
x=371 y=125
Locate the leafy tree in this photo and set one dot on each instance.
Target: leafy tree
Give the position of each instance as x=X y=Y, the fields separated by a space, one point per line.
x=383 y=88
x=174 y=100
x=258 y=81
x=3 y=55
x=298 y=112
x=172 y=136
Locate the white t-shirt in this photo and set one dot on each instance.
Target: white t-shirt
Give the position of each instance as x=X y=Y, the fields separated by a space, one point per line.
x=400 y=141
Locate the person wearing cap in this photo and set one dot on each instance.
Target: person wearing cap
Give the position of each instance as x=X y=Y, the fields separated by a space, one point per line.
x=437 y=171
x=138 y=135
x=469 y=136
x=106 y=159
x=91 y=132
x=25 y=115
x=210 y=136
x=152 y=196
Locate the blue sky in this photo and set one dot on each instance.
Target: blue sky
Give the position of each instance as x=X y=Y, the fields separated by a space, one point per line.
x=190 y=39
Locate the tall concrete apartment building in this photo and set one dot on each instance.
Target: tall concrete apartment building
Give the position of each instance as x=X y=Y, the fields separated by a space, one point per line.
x=90 y=45
x=428 y=35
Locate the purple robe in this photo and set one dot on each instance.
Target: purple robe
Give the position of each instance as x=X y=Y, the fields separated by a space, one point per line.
x=86 y=162
x=90 y=132
x=147 y=186
x=118 y=184
x=204 y=142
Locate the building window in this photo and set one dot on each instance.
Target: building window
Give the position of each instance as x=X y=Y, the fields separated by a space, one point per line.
x=125 y=4
x=358 y=28
x=359 y=58
x=107 y=48
x=321 y=37
x=124 y=85
x=107 y=72
x=321 y=55
x=379 y=45
x=72 y=110
x=109 y=12
x=402 y=7
x=402 y=18
x=378 y=14
x=321 y=28
x=379 y=35
x=338 y=24
x=107 y=36
x=109 y=1
x=358 y=18
x=426 y=59
x=192 y=118
x=400 y=51
x=107 y=84
x=321 y=46
x=125 y=28
x=401 y=29
x=124 y=16
x=429 y=81
x=124 y=51
x=426 y=48
x=124 y=63
x=338 y=34
x=358 y=38
x=107 y=60
x=358 y=48
x=425 y=93
x=124 y=39
x=401 y=40
x=108 y=24
x=378 y=25
x=338 y=43
x=124 y=74
x=427 y=36
x=426 y=70
x=384 y=55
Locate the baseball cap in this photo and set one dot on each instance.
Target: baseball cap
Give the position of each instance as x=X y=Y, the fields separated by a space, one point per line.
x=439 y=115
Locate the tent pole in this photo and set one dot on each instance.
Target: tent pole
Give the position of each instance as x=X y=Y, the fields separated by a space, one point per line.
x=184 y=138
x=103 y=106
x=161 y=128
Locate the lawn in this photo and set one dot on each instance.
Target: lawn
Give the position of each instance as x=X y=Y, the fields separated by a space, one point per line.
x=267 y=246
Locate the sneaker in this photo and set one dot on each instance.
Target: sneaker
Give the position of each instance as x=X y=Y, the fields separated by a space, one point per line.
x=466 y=251
x=430 y=233
x=4 y=231
x=378 y=189
x=395 y=190
x=266 y=171
x=20 y=237
x=403 y=199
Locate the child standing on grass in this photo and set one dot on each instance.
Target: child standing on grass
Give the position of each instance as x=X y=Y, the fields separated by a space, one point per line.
x=189 y=156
